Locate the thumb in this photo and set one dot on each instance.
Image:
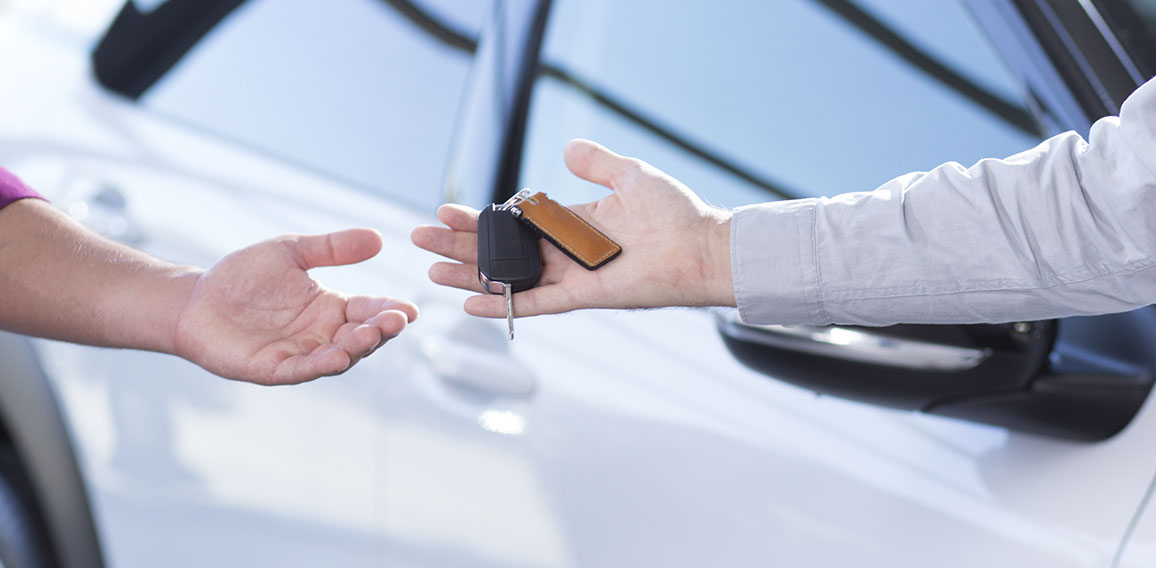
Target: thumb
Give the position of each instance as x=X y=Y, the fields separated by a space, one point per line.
x=594 y=162
x=335 y=249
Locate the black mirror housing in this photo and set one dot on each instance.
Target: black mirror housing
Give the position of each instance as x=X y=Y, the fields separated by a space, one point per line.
x=999 y=374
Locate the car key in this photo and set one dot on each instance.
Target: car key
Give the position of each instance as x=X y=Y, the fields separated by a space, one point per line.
x=508 y=259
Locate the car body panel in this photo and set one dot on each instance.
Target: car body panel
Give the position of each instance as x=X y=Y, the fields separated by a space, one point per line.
x=1139 y=546
x=642 y=441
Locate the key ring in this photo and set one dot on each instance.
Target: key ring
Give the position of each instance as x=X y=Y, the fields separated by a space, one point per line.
x=516 y=199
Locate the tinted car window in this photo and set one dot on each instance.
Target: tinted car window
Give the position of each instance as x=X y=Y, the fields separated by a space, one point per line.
x=746 y=101
x=1134 y=23
x=353 y=88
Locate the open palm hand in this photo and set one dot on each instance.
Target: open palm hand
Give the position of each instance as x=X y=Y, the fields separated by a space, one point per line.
x=674 y=247
x=257 y=316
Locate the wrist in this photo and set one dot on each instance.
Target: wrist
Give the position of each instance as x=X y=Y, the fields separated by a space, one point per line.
x=717 y=277
x=153 y=302
x=179 y=286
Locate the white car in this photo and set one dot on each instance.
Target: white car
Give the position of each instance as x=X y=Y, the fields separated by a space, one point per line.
x=189 y=128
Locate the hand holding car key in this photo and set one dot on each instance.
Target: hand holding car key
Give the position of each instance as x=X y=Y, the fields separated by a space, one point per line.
x=676 y=248
x=508 y=259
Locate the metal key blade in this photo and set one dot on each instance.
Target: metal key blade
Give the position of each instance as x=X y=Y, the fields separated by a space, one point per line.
x=508 y=258
x=510 y=309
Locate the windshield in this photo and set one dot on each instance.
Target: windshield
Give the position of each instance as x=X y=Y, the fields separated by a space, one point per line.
x=749 y=101
x=366 y=91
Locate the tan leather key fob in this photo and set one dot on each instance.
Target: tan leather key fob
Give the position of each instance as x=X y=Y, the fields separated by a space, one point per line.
x=567 y=231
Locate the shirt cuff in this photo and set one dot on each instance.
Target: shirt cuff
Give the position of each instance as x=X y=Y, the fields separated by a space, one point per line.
x=12 y=189
x=773 y=261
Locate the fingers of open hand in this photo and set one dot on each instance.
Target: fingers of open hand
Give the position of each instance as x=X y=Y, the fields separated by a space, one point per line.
x=359 y=339
x=453 y=274
x=351 y=343
x=461 y=246
x=390 y=323
x=335 y=249
x=371 y=323
x=594 y=162
x=362 y=308
x=549 y=299
x=459 y=217
x=322 y=362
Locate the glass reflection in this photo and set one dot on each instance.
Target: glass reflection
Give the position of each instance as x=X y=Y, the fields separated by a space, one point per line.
x=355 y=88
x=795 y=95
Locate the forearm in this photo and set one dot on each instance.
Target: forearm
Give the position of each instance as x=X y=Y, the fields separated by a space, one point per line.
x=61 y=281
x=1063 y=229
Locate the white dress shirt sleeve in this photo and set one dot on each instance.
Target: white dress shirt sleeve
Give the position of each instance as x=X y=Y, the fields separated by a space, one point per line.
x=1066 y=228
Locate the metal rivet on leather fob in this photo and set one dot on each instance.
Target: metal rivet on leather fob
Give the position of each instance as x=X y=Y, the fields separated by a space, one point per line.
x=508 y=259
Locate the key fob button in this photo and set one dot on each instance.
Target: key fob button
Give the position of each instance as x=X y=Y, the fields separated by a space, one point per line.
x=507 y=251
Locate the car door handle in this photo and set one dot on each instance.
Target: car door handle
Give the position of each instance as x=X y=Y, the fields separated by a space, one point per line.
x=464 y=364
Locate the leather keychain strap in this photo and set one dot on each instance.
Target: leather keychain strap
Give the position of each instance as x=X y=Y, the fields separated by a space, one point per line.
x=567 y=231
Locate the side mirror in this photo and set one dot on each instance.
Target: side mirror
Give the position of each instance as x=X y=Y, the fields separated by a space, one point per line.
x=1000 y=374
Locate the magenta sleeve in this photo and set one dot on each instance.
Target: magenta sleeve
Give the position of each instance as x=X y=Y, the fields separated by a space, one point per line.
x=11 y=189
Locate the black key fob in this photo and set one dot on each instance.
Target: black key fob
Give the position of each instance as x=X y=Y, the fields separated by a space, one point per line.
x=507 y=252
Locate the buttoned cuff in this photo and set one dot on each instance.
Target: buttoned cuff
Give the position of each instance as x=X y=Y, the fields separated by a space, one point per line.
x=773 y=260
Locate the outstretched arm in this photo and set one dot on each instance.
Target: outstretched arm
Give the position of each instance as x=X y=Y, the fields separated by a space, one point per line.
x=254 y=316
x=1065 y=228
